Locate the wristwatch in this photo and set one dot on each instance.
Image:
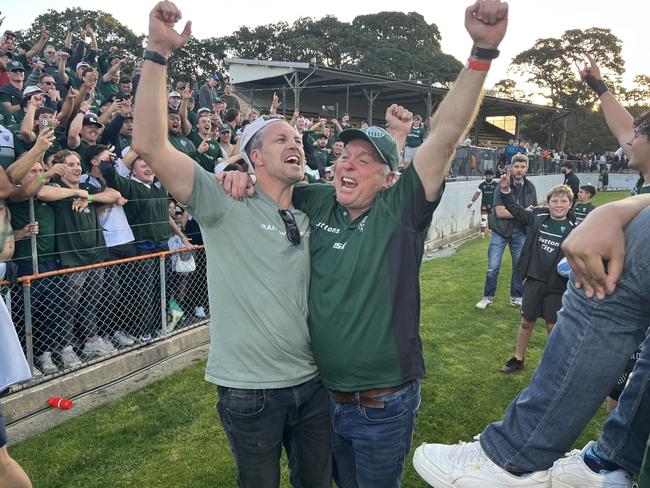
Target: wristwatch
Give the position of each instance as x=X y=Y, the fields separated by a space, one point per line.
x=154 y=57
x=484 y=53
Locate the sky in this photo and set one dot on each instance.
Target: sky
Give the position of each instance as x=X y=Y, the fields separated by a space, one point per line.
x=528 y=21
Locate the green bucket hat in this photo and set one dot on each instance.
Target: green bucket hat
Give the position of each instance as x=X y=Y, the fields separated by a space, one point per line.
x=381 y=140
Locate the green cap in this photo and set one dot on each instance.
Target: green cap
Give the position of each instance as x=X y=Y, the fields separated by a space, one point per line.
x=382 y=141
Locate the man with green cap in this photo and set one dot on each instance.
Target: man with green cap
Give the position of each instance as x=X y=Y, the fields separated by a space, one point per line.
x=367 y=240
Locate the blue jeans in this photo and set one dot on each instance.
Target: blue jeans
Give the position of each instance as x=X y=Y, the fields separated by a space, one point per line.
x=369 y=445
x=495 y=255
x=259 y=422
x=584 y=356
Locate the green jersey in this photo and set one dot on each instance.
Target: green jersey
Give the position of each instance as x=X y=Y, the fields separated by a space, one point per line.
x=209 y=159
x=79 y=237
x=487 y=195
x=416 y=136
x=147 y=209
x=581 y=210
x=45 y=242
x=364 y=296
x=547 y=246
x=183 y=144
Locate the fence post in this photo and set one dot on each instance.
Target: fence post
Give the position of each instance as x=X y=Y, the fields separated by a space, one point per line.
x=32 y=218
x=163 y=296
x=29 y=343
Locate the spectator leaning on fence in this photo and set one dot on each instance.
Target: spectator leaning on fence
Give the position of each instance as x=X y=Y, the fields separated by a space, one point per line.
x=80 y=241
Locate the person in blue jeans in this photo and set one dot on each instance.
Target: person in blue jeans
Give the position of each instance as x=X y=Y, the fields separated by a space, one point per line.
x=508 y=231
x=586 y=353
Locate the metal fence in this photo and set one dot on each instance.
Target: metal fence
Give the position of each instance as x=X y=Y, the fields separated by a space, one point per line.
x=69 y=318
x=470 y=161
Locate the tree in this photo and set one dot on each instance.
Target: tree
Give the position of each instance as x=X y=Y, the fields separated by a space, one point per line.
x=199 y=57
x=508 y=89
x=108 y=30
x=551 y=65
x=640 y=94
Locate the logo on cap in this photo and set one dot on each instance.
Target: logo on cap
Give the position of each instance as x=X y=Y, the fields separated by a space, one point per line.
x=375 y=132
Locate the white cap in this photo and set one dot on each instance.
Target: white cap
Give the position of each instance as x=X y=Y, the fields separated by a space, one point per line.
x=174 y=94
x=249 y=132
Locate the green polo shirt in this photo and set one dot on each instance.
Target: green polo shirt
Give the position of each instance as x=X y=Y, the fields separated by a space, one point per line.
x=581 y=210
x=45 y=242
x=364 y=296
x=147 y=209
x=79 y=237
x=183 y=144
x=208 y=159
x=258 y=283
x=416 y=136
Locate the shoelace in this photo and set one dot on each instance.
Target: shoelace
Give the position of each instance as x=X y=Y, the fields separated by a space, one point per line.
x=468 y=453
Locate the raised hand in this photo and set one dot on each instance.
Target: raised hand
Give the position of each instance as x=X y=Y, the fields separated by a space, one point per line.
x=399 y=119
x=487 y=21
x=590 y=68
x=162 y=36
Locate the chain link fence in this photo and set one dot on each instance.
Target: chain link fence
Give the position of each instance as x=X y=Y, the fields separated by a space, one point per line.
x=69 y=318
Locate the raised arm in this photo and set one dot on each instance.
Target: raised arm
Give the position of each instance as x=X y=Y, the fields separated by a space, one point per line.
x=486 y=22
x=40 y=44
x=512 y=207
x=618 y=119
x=174 y=169
x=19 y=168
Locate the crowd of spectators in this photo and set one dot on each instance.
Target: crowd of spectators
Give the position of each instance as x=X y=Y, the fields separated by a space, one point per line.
x=69 y=110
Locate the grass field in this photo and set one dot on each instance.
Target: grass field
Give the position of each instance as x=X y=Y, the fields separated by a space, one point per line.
x=168 y=434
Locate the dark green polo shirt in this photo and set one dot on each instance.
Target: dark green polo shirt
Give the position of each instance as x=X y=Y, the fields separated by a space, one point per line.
x=147 y=209
x=364 y=297
x=45 y=242
x=183 y=144
x=416 y=136
x=79 y=237
x=208 y=159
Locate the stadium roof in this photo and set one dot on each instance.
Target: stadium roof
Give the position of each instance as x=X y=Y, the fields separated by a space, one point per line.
x=352 y=89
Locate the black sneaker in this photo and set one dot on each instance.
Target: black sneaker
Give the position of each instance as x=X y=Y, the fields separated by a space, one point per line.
x=513 y=364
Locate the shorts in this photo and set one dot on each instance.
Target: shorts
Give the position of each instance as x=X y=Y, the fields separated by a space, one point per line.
x=538 y=303
x=409 y=154
x=3 y=432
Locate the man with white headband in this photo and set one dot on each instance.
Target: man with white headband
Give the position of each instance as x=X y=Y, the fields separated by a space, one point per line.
x=270 y=393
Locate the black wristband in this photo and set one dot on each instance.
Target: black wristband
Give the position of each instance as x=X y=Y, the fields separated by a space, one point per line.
x=484 y=53
x=154 y=57
x=596 y=85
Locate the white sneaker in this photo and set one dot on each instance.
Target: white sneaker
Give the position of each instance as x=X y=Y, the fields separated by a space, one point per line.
x=572 y=472
x=485 y=303
x=69 y=358
x=515 y=302
x=199 y=312
x=97 y=346
x=123 y=339
x=47 y=365
x=467 y=466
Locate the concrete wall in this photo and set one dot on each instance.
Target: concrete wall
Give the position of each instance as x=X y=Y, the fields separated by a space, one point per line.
x=452 y=219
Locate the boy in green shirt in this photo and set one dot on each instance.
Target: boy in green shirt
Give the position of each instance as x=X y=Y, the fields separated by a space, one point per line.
x=583 y=206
